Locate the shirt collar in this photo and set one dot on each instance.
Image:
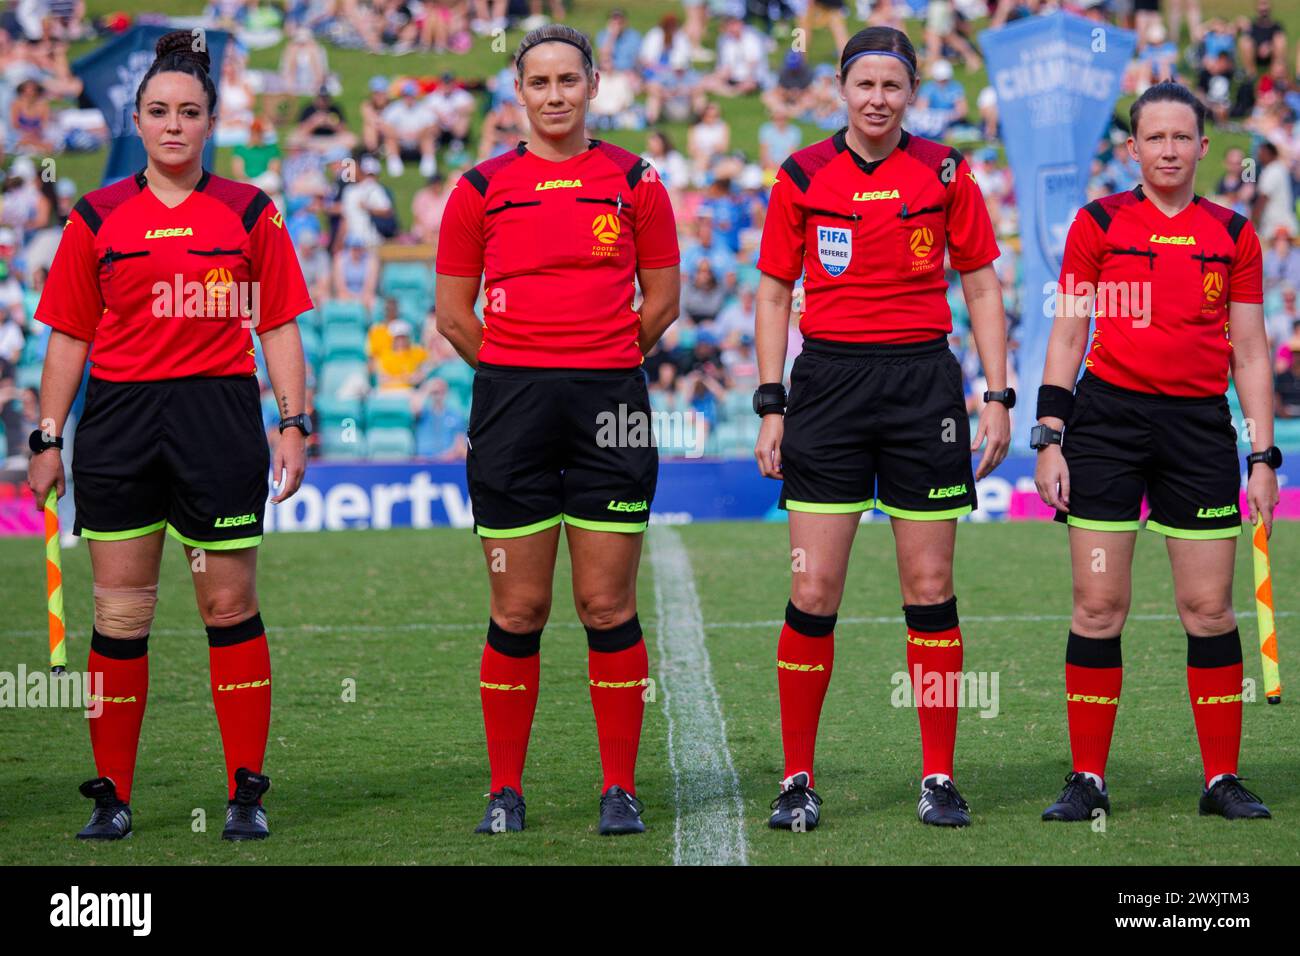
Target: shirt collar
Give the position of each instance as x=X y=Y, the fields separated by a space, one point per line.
x=840 y=139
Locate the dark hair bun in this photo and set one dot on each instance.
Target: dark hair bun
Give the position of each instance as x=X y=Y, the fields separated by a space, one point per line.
x=180 y=44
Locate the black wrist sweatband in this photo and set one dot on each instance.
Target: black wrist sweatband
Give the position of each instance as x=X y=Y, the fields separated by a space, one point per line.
x=1054 y=402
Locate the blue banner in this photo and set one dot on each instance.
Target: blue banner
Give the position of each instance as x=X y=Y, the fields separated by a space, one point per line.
x=344 y=495
x=111 y=75
x=1057 y=79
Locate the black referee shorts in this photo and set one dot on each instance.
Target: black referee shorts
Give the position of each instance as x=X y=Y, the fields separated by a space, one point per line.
x=186 y=454
x=1181 y=452
x=877 y=426
x=550 y=445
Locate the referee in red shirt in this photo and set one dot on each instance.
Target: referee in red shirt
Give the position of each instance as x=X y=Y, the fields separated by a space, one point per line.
x=876 y=415
x=1175 y=282
x=559 y=227
x=160 y=277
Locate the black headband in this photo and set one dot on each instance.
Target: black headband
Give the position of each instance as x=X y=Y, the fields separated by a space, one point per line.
x=573 y=43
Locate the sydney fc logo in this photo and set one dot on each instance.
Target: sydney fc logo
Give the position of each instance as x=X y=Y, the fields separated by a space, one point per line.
x=834 y=249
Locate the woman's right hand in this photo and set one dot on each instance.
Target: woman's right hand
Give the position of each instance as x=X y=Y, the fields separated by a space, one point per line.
x=768 y=449
x=1052 y=478
x=45 y=471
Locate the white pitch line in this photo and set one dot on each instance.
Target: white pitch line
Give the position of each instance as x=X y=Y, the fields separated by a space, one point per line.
x=710 y=817
x=454 y=628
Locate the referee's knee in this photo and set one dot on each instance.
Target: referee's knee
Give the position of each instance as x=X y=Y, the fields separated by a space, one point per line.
x=600 y=612
x=1206 y=615
x=226 y=608
x=1099 y=614
x=520 y=615
x=123 y=613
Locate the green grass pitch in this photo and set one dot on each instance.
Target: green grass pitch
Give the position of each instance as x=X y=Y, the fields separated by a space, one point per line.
x=398 y=776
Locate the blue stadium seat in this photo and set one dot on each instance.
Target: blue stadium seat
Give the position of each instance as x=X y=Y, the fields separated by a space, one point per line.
x=343 y=312
x=334 y=374
x=337 y=411
x=390 y=443
x=389 y=410
x=406 y=276
x=312 y=345
x=344 y=342
x=1286 y=434
x=337 y=442
x=28 y=376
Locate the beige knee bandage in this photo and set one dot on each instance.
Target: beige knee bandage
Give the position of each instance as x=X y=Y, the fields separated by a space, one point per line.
x=125 y=612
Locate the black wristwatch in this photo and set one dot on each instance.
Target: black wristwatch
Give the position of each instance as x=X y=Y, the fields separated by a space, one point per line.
x=1271 y=456
x=1006 y=396
x=769 y=399
x=1040 y=436
x=300 y=422
x=38 y=443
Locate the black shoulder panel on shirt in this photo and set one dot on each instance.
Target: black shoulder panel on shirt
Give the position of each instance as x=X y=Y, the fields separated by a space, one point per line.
x=637 y=173
x=1097 y=212
x=477 y=180
x=796 y=174
x=260 y=202
x=86 y=211
x=1236 y=224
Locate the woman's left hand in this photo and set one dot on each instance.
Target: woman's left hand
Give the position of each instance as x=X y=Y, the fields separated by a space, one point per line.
x=995 y=425
x=289 y=460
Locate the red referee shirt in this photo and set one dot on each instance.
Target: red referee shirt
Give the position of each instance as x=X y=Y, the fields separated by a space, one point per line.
x=560 y=244
x=1162 y=289
x=173 y=292
x=869 y=237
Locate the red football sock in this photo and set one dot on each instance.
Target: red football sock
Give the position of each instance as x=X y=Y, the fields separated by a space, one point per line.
x=617 y=667
x=239 y=666
x=1093 y=674
x=1214 y=684
x=508 y=678
x=805 y=654
x=115 y=733
x=934 y=654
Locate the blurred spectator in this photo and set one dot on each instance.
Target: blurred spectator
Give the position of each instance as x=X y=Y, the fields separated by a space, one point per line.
x=503 y=128
x=707 y=140
x=819 y=14
x=366 y=206
x=702 y=294
x=400 y=367
x=615 y=105
x=1260 y=40
x=943 y=96
x=1279 y=322
x=30 y=128
x=1286 y=387
x=1232 y=189
x=453 y=108
x=235 y=99
x=1281 y=261
x=372 y=114
x=1274 y=206
x=618 y=42
x=668 y=163
x=409 y=131
x=317 y=266
x=1157 y=59
x=943 y=34
x=257 y=161
x=674 y=95
x=321 y=125
x=664 y=48
x=742 y=60
x=304 y=64
x=439 y=426
x=791 y=89
x=777 y=139
x=356 y=272
x=427 y=207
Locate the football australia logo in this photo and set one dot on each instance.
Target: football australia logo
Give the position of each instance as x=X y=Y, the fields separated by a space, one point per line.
x=1213 y=286
x=922 y=244
x=218 y=283
x=606 y=228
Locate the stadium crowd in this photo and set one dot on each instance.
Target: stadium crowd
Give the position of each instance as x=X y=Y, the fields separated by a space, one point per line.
x=384 y=383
